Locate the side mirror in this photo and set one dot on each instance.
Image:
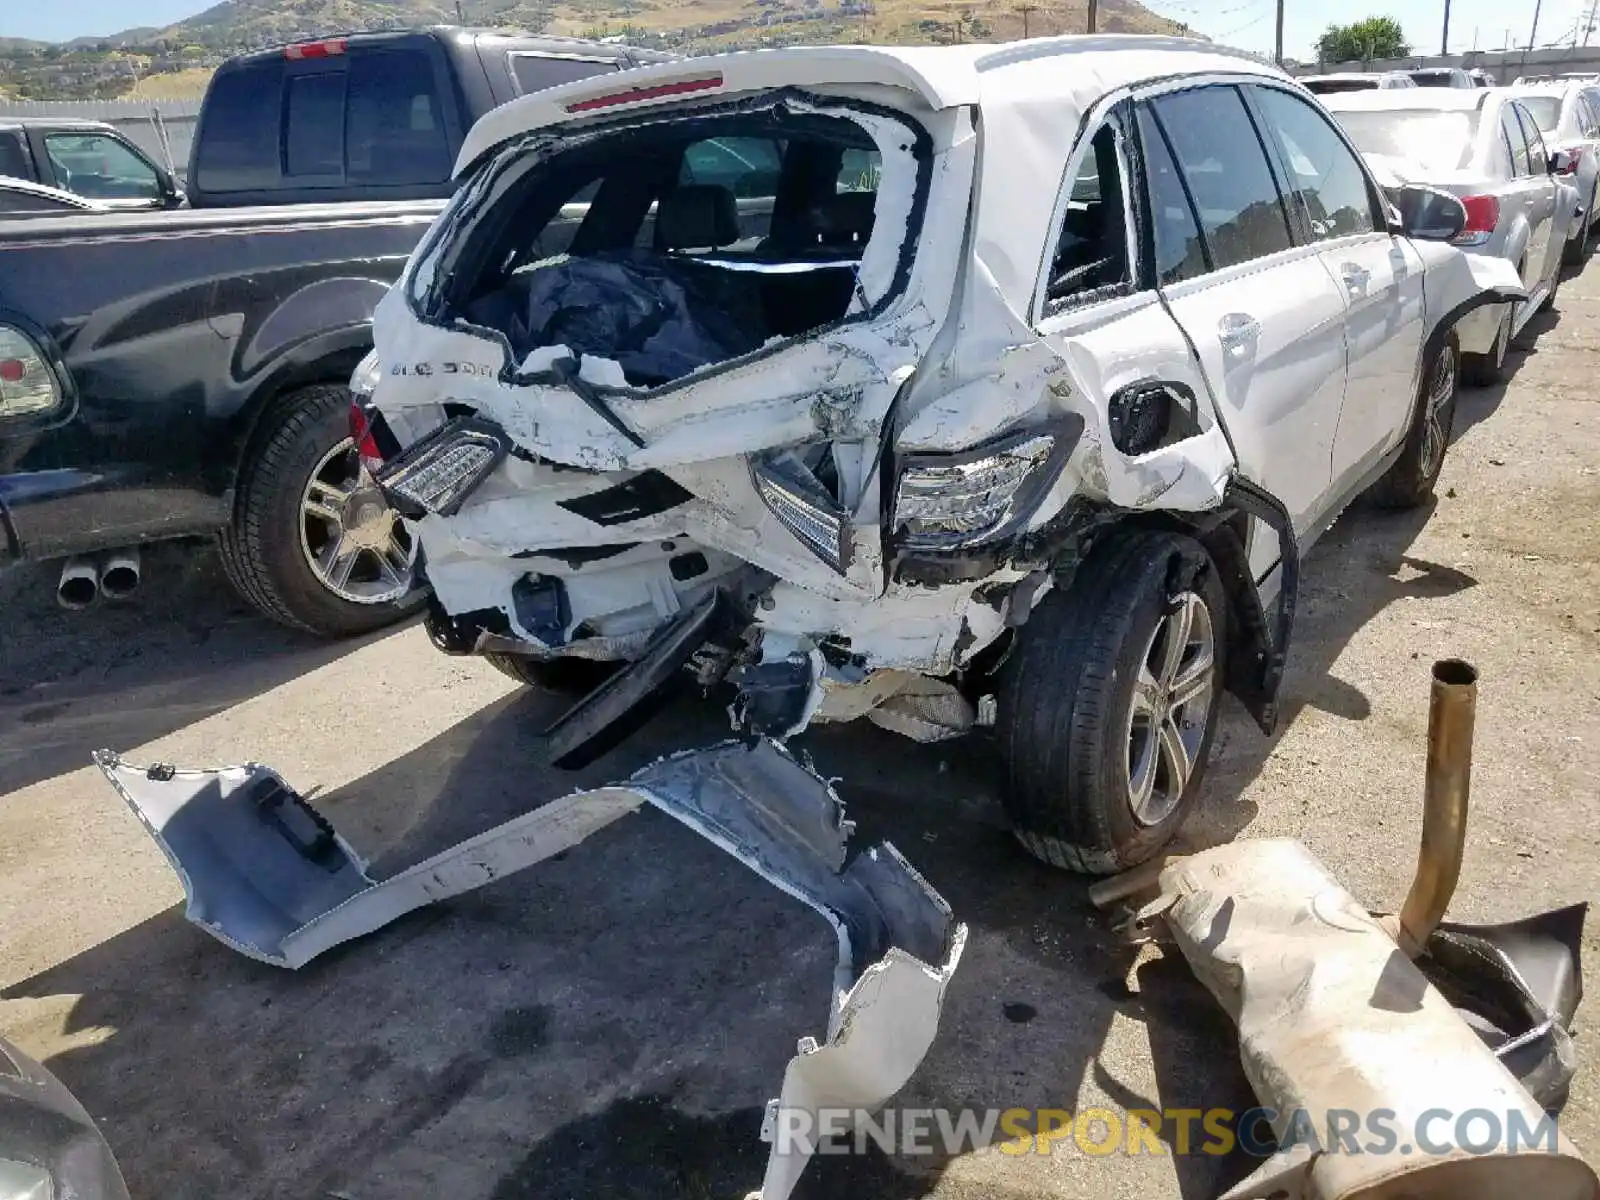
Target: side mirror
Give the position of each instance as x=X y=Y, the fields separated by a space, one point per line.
x=1429 y=214
x=1562 y=163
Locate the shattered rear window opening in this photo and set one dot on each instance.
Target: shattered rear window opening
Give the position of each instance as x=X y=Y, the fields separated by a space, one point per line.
x=647 y=252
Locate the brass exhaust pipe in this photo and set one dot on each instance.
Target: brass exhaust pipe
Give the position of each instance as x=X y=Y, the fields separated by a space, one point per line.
x=1451 y=710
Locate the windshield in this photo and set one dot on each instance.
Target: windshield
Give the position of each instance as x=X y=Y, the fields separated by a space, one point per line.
x=1546 y=110
x=1324 y=87
x=1435 y=141
x=1442 y=79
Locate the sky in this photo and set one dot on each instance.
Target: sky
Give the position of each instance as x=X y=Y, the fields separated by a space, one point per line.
x=1247 y=23
x=1485 y=24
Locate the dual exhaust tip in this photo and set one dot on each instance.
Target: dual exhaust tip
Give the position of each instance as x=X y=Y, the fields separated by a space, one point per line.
x=84 y=580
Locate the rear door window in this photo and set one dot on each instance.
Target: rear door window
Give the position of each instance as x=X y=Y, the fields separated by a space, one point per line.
x=1180 y=251
x=1091 y=253
x=313 y=135
x=535 y=72
x=238 y=150
x=1225 y=167
x=395 y=130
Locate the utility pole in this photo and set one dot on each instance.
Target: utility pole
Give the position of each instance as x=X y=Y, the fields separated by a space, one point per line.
x=1277 y=56
x=1025 y=9
x=1588 y=22
x=461 y=18
x=1444 y=40
x=1533 y=34
x=1094 y=6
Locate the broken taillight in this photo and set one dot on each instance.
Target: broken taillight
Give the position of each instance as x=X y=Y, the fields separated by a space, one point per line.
x=1483 y=214
x=659 y=91
x=361 y=434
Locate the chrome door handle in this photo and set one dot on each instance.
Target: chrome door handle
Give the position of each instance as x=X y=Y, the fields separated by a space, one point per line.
x=1236 y=330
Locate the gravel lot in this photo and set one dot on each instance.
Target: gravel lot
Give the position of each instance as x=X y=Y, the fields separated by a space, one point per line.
x=610 y=1025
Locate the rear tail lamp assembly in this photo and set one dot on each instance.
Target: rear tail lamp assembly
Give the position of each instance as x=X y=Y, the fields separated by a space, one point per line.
x=1483 y=215
x=437 y=473
x=28 y=384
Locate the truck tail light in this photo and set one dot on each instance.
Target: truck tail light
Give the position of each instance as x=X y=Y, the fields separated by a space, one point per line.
x=326 y=48
x=638 y=95
x=28 y=385
x=1483 y=214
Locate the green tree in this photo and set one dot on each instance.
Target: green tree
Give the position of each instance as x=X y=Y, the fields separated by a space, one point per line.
x=1376 y=37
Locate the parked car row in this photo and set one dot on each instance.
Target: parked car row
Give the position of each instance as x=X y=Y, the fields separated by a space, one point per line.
x=1422 y=77
x=1528 y=201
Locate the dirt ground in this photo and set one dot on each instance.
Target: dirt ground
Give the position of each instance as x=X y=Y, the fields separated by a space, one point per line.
x=611 y=1024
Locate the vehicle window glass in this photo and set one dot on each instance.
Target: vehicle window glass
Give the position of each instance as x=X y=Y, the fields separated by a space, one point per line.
x=535 y=72
x=1517 y=144
x=1179 y=249
x=238 y=149
x=313 y=136
x=17 y=201
x=1092 y=252
x=1538 y=156
x=101 y=167
x=859 y=171
x=1545 y=110
x=1222 y=160
x=13 y=159
x=394 y=125
x=1436 y=141
x=1322 y=171
x=748 y=167
x=1584 y=115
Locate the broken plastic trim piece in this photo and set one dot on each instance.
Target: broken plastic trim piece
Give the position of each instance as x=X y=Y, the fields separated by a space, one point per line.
x=266 y=874
x=1259 y=691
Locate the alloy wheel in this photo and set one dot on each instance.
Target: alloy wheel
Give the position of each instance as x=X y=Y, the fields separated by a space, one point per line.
x=1172 y=699
x=356 y=545
x=1436 y=413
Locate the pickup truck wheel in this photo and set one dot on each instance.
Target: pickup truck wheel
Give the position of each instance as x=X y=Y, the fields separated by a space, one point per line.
x=1486 y=370
x=1409 y=483
x=561 y=676
x=311 y=545
x=1108 y=705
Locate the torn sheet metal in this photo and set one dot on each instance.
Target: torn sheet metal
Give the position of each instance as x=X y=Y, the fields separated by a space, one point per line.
x=268 y=875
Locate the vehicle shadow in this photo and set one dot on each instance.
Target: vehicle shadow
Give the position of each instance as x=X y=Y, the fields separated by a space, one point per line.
x=121 y=674
x=612 y=1022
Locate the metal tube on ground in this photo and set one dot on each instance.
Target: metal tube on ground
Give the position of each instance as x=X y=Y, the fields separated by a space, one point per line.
x=119 y=574
x=1451 y=710
x=79 y=584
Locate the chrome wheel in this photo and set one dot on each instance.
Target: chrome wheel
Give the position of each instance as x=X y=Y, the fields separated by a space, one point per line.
x=1172 y=699
x=356 y=545
x=1436 y=413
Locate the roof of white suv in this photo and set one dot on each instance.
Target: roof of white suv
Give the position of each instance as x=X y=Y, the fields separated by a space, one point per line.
x=1017 y=73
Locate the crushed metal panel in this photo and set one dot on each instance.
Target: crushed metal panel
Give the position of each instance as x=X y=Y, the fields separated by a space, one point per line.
x=268 y=875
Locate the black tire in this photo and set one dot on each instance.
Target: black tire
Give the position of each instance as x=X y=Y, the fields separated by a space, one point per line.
x=1066 y=701
x=1487 y=370
x=561 y=676
x=1409 y=483
x=1576 y=251
x=261 y=548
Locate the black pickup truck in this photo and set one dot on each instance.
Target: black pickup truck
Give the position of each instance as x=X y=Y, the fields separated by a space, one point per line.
x=185 y=373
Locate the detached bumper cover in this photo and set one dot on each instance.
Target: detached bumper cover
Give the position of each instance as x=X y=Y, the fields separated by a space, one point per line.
x=268 y=875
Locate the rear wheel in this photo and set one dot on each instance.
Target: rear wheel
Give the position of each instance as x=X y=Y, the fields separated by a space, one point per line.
x=1108 y=705
x=311 y=544
x=560 y=676
x=1409 y=483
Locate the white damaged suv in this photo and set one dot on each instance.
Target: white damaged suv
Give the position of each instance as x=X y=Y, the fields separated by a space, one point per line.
x=961 y=387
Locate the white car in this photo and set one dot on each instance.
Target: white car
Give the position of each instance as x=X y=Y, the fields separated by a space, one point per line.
x=1355 y=81
x=1016 y=401
x=1484 y=146
x=1568 y=116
